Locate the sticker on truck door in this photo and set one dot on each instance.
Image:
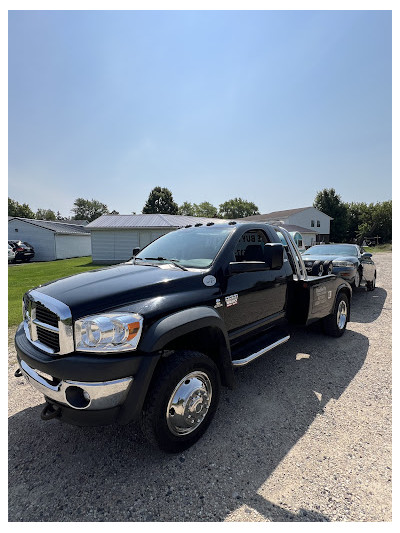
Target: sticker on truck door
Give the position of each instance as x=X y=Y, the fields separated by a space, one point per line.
x=209 y=281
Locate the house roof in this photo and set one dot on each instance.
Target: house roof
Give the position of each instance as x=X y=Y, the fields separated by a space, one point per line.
x=279 y=215
x=149 y=221
x=57 y=227
x=293 y=227
x=73 y=221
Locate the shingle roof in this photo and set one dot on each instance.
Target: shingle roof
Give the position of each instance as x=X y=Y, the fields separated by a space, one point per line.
x=57 y=227
x=276 y=214
x=149 y=221
x=293 y=227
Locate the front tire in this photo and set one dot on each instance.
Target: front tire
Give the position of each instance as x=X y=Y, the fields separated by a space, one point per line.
x=181 y=401
x=317 y=269
x=335 y=324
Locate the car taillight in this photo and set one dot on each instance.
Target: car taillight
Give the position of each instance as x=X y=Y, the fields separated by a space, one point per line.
x=19 y=249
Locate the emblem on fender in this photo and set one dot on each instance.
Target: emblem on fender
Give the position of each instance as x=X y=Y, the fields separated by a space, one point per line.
x=231 y=300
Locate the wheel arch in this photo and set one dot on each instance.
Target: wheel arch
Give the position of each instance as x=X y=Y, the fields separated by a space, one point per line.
x=200 y=329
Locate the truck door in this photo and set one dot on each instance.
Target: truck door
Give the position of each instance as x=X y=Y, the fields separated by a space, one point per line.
x=250 y=297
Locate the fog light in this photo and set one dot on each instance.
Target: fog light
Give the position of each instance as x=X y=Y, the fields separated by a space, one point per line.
x=77 y=397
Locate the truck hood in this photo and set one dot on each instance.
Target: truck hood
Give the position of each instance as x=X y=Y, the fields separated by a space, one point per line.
x=99 y=290
x=316 y=257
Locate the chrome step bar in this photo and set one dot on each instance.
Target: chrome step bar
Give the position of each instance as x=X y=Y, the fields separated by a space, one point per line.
x=251 y=357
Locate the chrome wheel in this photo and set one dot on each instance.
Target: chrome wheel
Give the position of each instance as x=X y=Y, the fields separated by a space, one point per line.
x=341 y=316
x=189 y=403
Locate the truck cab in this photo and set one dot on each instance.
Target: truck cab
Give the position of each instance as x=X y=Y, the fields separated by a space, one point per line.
x=153 y=339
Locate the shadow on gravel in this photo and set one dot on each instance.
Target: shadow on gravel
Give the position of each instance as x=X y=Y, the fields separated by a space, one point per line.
x=64 y=473
x=366 y=306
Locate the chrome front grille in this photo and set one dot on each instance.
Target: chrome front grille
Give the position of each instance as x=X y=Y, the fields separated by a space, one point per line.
x=48 y=323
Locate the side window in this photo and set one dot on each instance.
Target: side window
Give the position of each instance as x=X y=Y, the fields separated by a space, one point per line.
x=251 y=246
x=312 y=223
x=318 y=224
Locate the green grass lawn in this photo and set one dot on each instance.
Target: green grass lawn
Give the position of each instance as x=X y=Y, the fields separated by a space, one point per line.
x=379 y=248
x=26 y=276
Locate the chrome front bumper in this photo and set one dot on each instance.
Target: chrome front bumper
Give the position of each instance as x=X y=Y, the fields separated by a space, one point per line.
x=77 y=394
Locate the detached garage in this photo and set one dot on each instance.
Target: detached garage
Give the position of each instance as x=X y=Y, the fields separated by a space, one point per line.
x=115 y=236
x=51 y=240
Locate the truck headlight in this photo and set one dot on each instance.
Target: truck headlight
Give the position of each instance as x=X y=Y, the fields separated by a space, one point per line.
x=343 y=264
x=108 y=332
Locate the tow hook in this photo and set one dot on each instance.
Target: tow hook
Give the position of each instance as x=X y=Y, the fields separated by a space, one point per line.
x=18 y=373
x=49 y=412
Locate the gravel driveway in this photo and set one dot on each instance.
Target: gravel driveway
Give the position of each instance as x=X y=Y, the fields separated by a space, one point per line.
x=305 y=436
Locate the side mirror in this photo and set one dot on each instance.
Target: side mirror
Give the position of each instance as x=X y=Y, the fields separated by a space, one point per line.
x=135 y=251
x=366 y=255
x=273 y=253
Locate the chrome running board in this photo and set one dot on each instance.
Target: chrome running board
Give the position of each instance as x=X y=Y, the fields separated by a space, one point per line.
x=251 y=357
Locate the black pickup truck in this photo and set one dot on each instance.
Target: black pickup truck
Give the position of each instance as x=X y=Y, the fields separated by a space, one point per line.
x=154 y=338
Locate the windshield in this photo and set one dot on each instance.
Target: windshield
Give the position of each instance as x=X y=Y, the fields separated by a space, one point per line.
x=332 y=249
x=191 y=247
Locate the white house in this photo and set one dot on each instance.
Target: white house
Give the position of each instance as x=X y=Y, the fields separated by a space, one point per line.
x=314 y=225
x=115 y=236
x=50 y=239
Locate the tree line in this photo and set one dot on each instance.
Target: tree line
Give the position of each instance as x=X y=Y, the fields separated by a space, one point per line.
x=352 y=222
x=160 y=200
x=356 y=221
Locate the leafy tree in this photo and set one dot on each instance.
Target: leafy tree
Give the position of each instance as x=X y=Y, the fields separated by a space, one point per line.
x=17 y=210
x=45 y=214
x=113 y=212
x=88 y=209
x=376 y=221
x=205 y=209
x=160 y=200
x=237 y=208
x=331 y=204
x=356 y=212
x=187 y=209
x=59 y=216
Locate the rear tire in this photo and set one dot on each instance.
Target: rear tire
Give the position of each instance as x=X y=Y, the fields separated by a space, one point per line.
x=328 y=268
x=357 y=279
x=371 y=284
x=335 y=324
x=181 y=401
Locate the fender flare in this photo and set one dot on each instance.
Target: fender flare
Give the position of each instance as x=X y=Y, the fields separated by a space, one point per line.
x=169 y=328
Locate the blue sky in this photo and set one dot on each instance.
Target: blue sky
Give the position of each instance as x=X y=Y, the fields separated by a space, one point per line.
x=270 y=106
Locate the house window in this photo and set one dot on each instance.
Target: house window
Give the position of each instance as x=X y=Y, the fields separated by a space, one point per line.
x=318 y=224
x=312 y=223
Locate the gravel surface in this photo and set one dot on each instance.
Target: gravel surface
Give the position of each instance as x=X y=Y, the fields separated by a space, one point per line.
x=305 y=436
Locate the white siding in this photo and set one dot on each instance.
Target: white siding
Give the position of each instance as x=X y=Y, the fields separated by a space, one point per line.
x=124 y=242
x=72 y=246
x=116 y=245
x=305 y=217
x=102 y=245
x=41 y=239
